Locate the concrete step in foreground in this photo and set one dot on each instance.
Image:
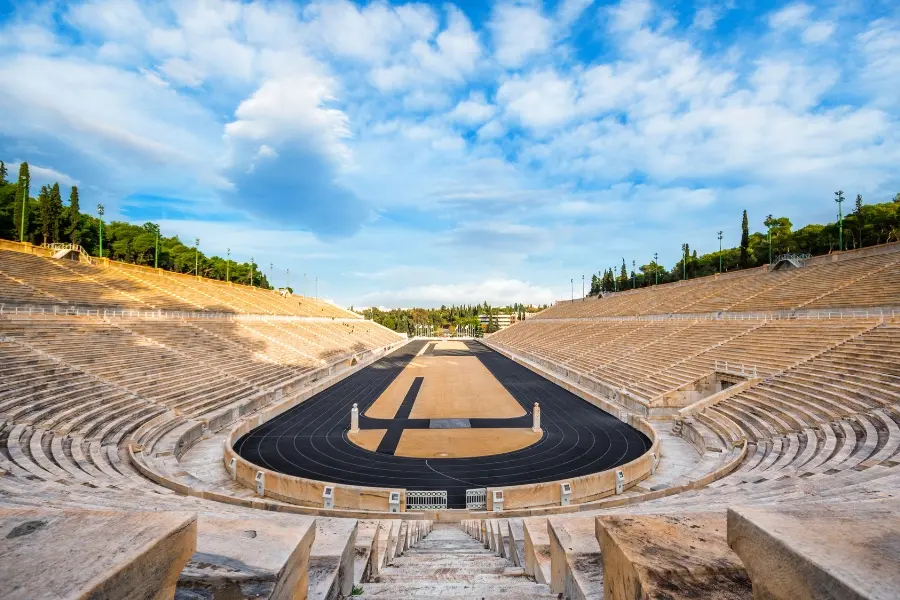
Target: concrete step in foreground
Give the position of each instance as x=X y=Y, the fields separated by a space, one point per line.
x=450 y=564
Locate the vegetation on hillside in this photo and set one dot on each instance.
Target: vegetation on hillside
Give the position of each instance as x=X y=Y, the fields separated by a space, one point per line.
x=48 y=220
x=404 y=320
x=865 y=225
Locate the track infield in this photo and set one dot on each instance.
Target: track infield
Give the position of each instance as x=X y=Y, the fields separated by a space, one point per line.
x=426 y=437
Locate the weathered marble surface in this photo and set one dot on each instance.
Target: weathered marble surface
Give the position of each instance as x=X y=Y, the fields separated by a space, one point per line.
x=249 y=558
x=843 y=550
x=669 y=556
x=47 y=553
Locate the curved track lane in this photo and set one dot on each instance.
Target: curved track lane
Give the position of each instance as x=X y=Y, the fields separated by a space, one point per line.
x=310 y=440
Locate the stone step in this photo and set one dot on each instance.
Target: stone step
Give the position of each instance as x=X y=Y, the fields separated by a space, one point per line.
x=510 y=590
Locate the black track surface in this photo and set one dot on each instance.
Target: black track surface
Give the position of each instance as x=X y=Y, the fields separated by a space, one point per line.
x=310 y=440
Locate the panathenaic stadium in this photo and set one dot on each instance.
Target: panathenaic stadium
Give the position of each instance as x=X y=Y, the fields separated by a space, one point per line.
x=735 y=436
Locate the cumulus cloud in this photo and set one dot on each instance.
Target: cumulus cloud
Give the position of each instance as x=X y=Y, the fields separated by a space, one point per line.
x=519 y=32
x=493 y=291
x=526 y=140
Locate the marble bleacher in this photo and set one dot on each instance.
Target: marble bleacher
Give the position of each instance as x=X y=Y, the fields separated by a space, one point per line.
x=854 y=280
x=27 y=279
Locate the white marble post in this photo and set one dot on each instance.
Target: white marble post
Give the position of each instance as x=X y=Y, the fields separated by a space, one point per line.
x=354 y=419
x=536 y=416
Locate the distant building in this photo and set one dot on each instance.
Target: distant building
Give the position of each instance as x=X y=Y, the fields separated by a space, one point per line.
x=502 y=320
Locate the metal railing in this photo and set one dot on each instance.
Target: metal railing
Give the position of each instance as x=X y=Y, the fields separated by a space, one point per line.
x=77 y=311
x=792 y=257
x=426 y=500
x=834 y=313
x=722 y=366
x=476 y=498
x=82 y=254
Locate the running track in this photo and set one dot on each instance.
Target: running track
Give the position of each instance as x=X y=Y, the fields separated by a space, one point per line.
x=310 y=440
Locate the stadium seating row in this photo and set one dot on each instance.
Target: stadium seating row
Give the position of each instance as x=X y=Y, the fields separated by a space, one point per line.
x=26 y=279
x=864 y=282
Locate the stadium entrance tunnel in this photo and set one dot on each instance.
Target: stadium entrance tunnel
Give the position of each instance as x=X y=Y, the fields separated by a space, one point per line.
x=438 y=418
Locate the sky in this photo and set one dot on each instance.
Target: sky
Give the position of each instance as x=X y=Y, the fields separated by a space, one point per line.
x=436 y=153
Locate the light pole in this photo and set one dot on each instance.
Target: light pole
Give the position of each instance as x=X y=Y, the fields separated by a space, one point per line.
x=839 y=198
x=251 y=271
x=287 y=278
x=197 y=257
x=684 y=248
x=582 y=288
x=24 y=182
x=156 y=249
x=572 y=285
x=615 y=280
x=720 y=251
x=317 y=289
x=227 y=265
x=768 y=224
x=100 y=212
x=271 y=266
x=633 y=276
x=656 y=267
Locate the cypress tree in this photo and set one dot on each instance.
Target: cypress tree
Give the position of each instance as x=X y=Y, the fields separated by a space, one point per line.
x=744 y=261
x=22 y=195
x=56 y=209
x=74 y=216
x=44 y=212
x=2 y=173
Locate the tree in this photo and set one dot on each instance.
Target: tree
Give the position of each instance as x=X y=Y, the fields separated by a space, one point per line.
x=56 y=211
x=860 y=219
x=623 y=276
x=744 y=260
x=74 y=216
x=2 y=173
x=20 y=210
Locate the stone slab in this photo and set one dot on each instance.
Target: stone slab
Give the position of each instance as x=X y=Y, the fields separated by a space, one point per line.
x=576 y=568
x=669 y=556
x=331 y=559
x=249 y=558
x=848 y=550
x=537 y=549
x=449 y=424
x=93 y=554
x=366 y=549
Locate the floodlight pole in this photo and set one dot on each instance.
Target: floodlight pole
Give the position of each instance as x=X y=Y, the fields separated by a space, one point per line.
x=684 y=263
x=100 y=212
x=227 y=265
x=251 y=271
x=287 y=277
x=839 y=199
x=572 y=285
x=768 y=224
x=582 y=288
x=156 y=253
x=656 y=266
x=633 y=268
x=197 y=257
x=720 y=251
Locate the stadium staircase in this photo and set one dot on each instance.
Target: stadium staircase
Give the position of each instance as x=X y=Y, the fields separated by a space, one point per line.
x=450 y=564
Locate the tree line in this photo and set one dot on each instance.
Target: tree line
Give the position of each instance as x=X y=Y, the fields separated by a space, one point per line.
x=405 y=320
x=866 y=225
x=47 y=220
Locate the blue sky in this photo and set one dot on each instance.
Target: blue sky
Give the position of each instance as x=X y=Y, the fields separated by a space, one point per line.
x=420 y=154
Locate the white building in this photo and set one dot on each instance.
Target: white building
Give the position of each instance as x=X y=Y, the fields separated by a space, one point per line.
x=502 y=320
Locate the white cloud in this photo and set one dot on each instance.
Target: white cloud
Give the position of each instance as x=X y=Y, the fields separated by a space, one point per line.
x=115 y=19
x=538 y=100
x=182 y=72
x=293 y=108
x=791 y=16
x=472 y=111
x=818 y=32
x=519 y=32
x=494 y=291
